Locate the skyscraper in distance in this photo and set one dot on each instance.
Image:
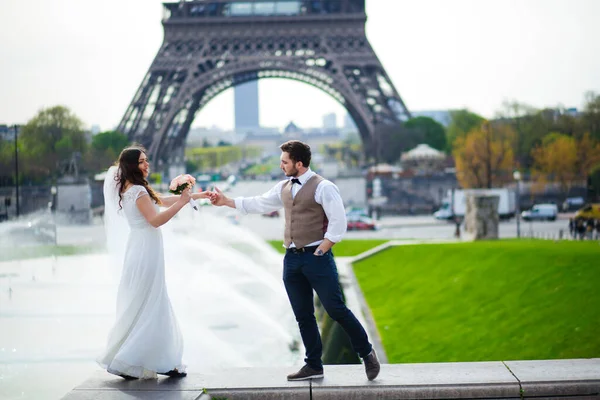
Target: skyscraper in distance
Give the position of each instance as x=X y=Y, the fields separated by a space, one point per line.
x=246 y=106
x=330 y=121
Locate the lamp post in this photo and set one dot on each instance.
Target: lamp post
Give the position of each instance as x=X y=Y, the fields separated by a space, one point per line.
x=455 y=218
x=54 y=191
x=16 y=170
x=517 y=177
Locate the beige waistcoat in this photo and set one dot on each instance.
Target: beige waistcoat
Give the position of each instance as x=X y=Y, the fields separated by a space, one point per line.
x=305 y=220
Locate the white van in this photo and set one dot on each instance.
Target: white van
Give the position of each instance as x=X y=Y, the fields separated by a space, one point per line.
x=541 y=212
x=506 y=203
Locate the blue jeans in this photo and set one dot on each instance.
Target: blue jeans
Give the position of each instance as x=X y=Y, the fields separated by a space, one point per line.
x=303 y=272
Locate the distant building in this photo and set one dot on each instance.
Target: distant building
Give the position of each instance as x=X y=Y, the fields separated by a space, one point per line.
x=271 y=141
x=424 y=160
x=291 y=129
x=349 y=125
x=572 y=112
x=7 y=132
x=330 y=121
x=246 y=106
x=213 y=135
x=555 y=113
x=95 y=129
x=442 y=116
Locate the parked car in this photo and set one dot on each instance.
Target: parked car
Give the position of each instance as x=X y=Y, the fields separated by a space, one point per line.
x=573 y=204
x=541 y=212
x=356 y=212
x=589 y=211
x=361 y=223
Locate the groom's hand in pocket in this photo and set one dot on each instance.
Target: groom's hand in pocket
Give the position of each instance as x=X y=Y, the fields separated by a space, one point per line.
x=324 y=247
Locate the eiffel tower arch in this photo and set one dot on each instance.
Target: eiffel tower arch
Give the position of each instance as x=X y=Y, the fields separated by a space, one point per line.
x=212 y=45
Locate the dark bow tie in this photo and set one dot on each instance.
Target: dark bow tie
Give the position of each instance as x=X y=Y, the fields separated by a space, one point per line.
x=296 y=180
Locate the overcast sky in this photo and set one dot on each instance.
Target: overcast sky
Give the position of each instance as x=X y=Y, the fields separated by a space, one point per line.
x=440 y=54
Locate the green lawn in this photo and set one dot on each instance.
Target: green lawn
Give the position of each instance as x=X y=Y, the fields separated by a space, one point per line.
x=345 y=248
x=483 y=301
x=20 y=253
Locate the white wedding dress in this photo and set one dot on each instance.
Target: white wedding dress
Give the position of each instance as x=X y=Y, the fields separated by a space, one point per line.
x=146 y=338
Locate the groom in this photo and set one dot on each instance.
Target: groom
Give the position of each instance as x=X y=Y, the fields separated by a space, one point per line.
x=315 y=220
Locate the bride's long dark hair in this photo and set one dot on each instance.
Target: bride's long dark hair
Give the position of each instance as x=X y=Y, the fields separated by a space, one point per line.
x=129 y=170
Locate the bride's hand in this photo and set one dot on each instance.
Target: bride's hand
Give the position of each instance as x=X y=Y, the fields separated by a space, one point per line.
x=185 y=196
x=202 y=195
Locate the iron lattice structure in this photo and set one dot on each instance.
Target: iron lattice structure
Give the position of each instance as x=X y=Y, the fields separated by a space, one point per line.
x=212 y=45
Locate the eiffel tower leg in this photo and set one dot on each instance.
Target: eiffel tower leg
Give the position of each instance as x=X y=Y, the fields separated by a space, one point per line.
x=206 y=51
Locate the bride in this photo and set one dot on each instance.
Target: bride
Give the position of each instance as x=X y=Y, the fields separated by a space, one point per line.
x=145 y=339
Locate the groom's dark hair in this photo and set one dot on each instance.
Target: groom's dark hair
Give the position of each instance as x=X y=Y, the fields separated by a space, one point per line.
x=298 y=151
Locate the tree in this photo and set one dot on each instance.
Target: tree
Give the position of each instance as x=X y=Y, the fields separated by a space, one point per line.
x=588 y=155
x=393 y=140
x=105 y=149
x=555 y=160
x=591 y=114
x=522 y=118
x=224 y=143
x=463 y=122
x=51 y=137
x=433 y=132
x=484 y=157
x=7 y=169
x=113 y=140
x=594 y=185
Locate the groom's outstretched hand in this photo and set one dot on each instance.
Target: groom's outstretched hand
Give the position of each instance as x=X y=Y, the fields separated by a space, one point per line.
x=217 y=198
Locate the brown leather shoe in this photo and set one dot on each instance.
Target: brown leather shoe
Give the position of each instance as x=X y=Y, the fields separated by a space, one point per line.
x=372 y=365
x=306 y=372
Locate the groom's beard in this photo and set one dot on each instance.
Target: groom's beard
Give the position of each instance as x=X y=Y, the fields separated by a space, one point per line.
x=292 y=174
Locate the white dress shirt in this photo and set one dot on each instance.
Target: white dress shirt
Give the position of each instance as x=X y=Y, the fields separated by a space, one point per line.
x=327 y=195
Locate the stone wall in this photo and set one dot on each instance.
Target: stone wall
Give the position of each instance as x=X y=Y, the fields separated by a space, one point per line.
x=481 y=217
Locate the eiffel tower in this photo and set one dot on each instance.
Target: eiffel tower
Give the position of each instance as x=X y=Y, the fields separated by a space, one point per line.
x=212 y=45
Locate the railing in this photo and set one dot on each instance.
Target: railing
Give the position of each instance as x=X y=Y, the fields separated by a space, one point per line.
x=561 y=234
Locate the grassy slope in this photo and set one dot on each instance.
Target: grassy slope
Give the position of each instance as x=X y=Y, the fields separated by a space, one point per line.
x=345 y=248
x=503 y=300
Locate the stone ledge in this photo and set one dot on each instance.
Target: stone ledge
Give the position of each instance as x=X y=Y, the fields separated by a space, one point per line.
x=556 y=379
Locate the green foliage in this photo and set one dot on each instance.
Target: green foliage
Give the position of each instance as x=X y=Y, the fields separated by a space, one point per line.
x=155 y=178
x=591 y=114
x=532 y=126
x=113 y=140
x=265 y=168
x=105 y=149
x=433 y=132
x=50 y=138
x=345 y=248
x=350 y=154
x=7 y=154
x=594 y=184
x=393 y=140
x=463 y=122
x=207 y=158
x=484 y=301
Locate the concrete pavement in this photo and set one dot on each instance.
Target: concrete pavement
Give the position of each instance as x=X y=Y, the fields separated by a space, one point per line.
x=557 y=379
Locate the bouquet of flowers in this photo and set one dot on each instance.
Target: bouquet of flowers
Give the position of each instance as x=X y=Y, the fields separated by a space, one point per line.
x=182 y=182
